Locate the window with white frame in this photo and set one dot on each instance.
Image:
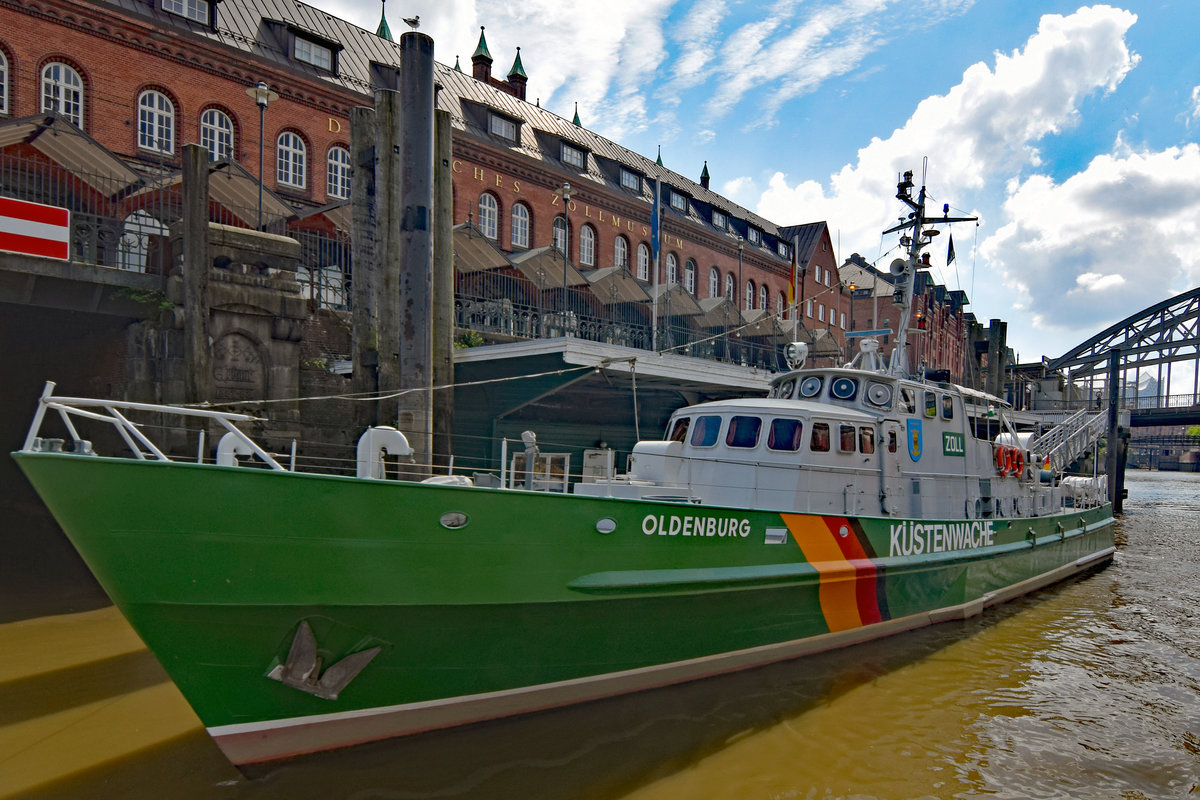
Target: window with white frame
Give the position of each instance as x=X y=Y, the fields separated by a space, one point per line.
x=781 y=309
x=689 y=276
x=310 y=52
x=752 y=235
x=489 y=216
x=3 y=83
x=820 y=313
x=631 y=180
x=731 y=287
x=781 y=248
x=62 y=92
x=621 y=252
x=587 y=246
x=763 y=297
x=216 y=134
x=714 y=282
x=808 y=304
x=196 y=10
x=291 y=160
x=560 y=234
x=748 y=297
x=672 y=268
x=337 y=173
x=156 y=122
x=520 y=226
x=718 y=219
x=503 y=127
x=643 y=267
x=679 y=202
x=572 y=156
x=842 y=323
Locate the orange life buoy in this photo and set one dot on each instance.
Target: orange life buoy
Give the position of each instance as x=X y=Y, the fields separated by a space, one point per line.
x=1000 y=458
x=1019 y=466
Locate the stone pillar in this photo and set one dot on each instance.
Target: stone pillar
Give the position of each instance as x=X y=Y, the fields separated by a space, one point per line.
x=364 y=271
x=196 y=264
x=443 y=290
x=415 y=409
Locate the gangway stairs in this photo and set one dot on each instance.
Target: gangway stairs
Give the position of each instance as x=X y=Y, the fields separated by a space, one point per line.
x=1071 y=438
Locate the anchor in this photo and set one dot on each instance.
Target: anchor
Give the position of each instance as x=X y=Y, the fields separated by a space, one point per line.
x=302 y=670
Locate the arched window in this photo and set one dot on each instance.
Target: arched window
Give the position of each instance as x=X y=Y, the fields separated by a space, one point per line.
x=731 y=287
x=489 y=216
x=520 y=226
x=560 y=234
x=781 y=307
x=291 y=160
x=156 y=122
x=749 y=295
x=338 y=173
x=62 y=92
x=714 y=282
x=643 y=272
x=3 y=83
x=689 y=276
x=672 y=269
x=763 y=297
x=587 y=246
x=621 y=252
x=216 y=134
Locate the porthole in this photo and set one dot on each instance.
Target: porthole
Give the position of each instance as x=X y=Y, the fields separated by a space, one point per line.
x=453 y=520
x=811 y=386
x=606 y=525
x=844 y=388
x=880 y=394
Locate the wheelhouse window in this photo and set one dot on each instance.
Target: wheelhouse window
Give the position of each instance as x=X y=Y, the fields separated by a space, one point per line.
x=489 y=213
x=631 y=180
x=311 y=52
x=818 y=442
x=338 y=175
x=156 y=122
x=706 y=431
x=786 y=435
x=679 y=430
x=62 y=92
x=908 y=400
x=931 y=405
x=520 y=226
x=195 y=10
x=947 y=406
x=503 y=127
x=866 y=440
x=846 y=438
x=291 y=160
x=743 y=432
x=572 y=156
x=216 y=134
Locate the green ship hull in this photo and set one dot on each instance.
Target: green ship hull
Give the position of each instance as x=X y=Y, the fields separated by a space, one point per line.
x=446 y=605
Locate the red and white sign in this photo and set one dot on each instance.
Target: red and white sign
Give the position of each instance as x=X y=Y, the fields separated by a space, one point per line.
x=34 y=229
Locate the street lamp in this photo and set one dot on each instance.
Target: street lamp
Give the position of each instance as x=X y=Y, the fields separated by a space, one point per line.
x=262 y=95
x=741 y=283
x=565 y=193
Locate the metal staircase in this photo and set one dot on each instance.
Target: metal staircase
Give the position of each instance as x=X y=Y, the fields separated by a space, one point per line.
x=1071 y=438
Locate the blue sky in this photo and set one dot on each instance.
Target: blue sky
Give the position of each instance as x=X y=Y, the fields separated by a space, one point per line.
x=1070 y=130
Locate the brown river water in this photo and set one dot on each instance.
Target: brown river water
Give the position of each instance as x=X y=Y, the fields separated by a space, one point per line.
x=1090 y=689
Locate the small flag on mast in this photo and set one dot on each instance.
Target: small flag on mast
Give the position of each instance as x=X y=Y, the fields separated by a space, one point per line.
x=950 y=251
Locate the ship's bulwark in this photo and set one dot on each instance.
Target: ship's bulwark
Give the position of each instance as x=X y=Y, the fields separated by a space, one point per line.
x=528 y=605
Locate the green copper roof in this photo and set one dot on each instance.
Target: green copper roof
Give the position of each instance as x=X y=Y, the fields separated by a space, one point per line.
x=704 y=172
x=517 y=69
x=482 y=50
x=457 y=66
x=576 y=120
x=659 y=159
x=383 y=31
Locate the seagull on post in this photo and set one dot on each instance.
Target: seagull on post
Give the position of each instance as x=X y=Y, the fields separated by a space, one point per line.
x=413 y=22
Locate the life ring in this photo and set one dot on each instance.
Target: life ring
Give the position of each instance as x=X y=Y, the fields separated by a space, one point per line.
x=1000 y=459
x=1010 y=461
x=1019 y=465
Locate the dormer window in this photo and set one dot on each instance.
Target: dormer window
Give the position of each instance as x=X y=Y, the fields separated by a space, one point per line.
x=572 y=156
x=312 y=53
x=631 y=180
x=718 y=219
x=195 y=10
x=503 y=127
x=679 y=202
x=782 y=249
x=753 y=235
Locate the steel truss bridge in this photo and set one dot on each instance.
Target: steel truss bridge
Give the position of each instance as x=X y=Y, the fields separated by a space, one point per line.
x=1149 y=344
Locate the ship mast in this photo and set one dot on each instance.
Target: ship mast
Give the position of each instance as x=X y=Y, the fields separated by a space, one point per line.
x=906 y=268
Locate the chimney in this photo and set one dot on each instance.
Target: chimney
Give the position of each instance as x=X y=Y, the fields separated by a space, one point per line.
x=481 y=61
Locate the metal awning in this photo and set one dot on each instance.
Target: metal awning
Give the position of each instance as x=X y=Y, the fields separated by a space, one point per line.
x=235 y=188
x=762 y=324
x=474 y=252
x=615 y=285
x=544 y=267
x=87 y=159
x=719 y=312
x=675 y=301
x=338 y=214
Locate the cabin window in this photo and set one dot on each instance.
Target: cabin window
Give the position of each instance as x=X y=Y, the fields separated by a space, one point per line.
x=743 y=432
x=891 y=444
x=846 y=438
x=819 y=442
x=786 y=434
x=908 y=401
x=947 y=406
x=811 y=386
x=879 y=394
x=706 y=431
x=844 y=388
x=679 y=430
x=866 y=440
x=930 y=405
